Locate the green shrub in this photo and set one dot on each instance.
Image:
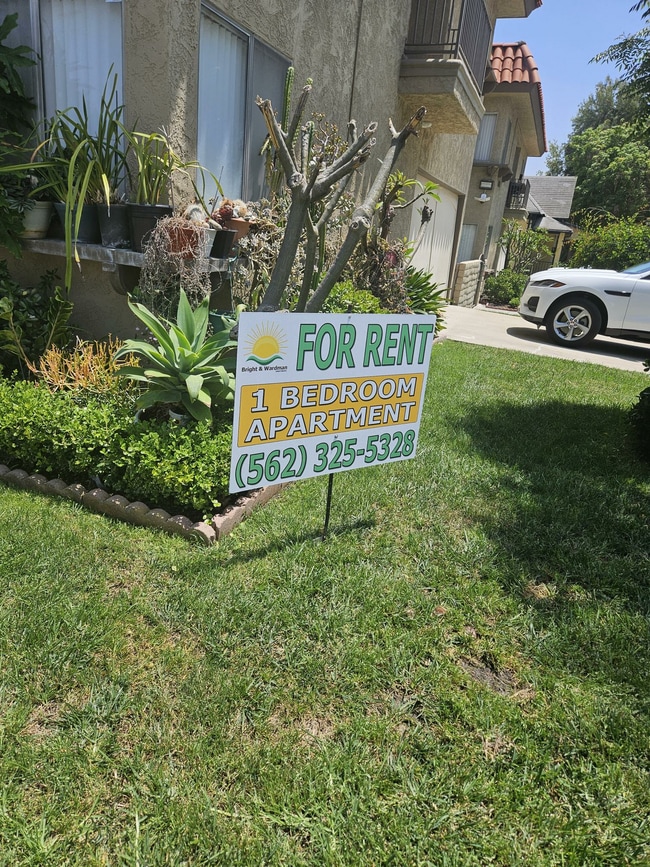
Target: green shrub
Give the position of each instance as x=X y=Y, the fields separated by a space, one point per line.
x=344 y=298
x=31 y=320
x=504 y=288
x=181 y=469
x=616 y=245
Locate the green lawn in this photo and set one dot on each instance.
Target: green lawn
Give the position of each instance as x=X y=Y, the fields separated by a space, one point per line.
x=457 y=676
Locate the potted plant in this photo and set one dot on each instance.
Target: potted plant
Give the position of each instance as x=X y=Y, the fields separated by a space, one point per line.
x=191 y=234
x=37 y=209
x=18 y=202
x=233 y=214
x=81 y=170
x=185 y=369
x=155 y=162
x=97 y=167
x=25 y=209
x=110 y=155
x=157 y=165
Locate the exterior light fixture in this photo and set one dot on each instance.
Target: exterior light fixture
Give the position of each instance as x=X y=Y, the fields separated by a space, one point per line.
x=485 y=184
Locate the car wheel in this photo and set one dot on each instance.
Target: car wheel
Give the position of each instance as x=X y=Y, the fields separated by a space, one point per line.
x=573 y=323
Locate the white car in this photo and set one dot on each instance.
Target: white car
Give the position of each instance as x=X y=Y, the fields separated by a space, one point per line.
x=577 y=304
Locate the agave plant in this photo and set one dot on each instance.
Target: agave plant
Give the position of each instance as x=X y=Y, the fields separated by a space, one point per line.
x=187 y=368
x=423 y=295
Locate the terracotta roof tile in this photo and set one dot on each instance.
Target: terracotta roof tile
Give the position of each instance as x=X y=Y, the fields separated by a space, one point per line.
x=513 y=63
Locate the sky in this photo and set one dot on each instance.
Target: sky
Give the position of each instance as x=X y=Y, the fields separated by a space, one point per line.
x=563 y=36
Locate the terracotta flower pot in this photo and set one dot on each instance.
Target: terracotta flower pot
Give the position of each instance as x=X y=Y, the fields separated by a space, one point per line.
x=190 y=242
x=241 y=226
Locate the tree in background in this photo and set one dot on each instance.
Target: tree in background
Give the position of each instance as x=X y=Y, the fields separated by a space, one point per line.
x=612 y=165
x=607 y=243
x=611 y=104
x=631 y=56
x=608 y=148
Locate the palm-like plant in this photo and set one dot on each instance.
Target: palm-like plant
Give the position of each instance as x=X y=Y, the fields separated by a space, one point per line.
x=187 y=368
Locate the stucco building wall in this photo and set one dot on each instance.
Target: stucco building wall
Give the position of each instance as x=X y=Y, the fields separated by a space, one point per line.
x=160 y=76
x=359 y=41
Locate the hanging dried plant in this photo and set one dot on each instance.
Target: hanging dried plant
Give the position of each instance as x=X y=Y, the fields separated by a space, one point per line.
x=175 y=259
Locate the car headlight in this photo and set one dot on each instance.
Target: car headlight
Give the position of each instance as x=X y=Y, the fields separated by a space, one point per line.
x=553 y=284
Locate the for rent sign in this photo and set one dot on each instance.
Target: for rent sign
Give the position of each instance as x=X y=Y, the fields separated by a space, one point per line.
x=321 y=394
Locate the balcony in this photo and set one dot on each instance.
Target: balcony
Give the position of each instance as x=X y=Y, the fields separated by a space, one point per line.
x=445 y=57
x=518 y=192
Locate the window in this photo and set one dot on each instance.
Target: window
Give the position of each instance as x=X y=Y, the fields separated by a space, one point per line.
x=484 y=140
x=466 y=243
x=506 y=145
x=77 y=42
x=234 y=68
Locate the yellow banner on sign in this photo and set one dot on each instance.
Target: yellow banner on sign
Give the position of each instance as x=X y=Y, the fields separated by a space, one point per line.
x=279 y=412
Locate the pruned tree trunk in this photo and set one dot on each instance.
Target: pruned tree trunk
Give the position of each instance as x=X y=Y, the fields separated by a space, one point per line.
x=310 y=181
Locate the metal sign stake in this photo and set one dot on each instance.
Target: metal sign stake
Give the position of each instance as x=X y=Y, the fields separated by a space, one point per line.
x=328 y=506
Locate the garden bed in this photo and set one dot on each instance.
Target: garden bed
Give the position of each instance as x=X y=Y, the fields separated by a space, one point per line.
x=136 y=512
x=90 y=449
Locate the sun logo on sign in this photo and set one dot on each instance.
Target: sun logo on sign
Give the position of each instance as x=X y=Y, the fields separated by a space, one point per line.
x=266 y=344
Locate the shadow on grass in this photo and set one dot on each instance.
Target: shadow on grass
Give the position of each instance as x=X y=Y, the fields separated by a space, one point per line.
x=337 y=528
x=569 y=517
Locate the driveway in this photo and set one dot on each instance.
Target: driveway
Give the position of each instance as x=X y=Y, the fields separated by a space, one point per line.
x=506 y=329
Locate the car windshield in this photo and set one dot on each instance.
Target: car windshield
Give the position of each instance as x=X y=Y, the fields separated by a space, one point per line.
x=637 y=269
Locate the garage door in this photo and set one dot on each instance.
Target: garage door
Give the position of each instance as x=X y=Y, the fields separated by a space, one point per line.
x=435 y=251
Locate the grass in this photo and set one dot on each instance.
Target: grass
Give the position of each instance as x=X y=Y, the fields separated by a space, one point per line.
x=457 y=676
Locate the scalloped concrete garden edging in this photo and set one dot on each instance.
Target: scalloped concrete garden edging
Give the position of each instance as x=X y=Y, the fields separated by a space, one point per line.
x=117 y=506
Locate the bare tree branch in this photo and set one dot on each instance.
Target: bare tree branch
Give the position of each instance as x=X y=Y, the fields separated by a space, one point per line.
x=277 y=137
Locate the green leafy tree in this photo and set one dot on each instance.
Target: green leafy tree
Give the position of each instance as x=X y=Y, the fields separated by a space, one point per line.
x=613 y=169
x=523 y=247
x=615 y=244
x=631 y=56
x=611 y=104
x=555 y=159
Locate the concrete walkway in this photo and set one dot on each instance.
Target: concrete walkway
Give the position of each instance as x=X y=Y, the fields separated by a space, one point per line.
x=506 y=329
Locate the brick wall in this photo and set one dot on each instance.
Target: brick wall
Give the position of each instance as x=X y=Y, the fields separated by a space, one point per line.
x=464 y=291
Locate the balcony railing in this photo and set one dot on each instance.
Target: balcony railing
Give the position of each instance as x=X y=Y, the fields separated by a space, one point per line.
x=451 y=29
x=518 y=192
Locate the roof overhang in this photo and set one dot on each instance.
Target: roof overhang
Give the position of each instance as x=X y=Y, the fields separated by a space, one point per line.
x=528 y=99
x=549 y=224
x=516 y=8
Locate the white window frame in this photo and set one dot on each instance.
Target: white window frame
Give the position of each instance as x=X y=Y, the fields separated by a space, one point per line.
x=485 y=138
